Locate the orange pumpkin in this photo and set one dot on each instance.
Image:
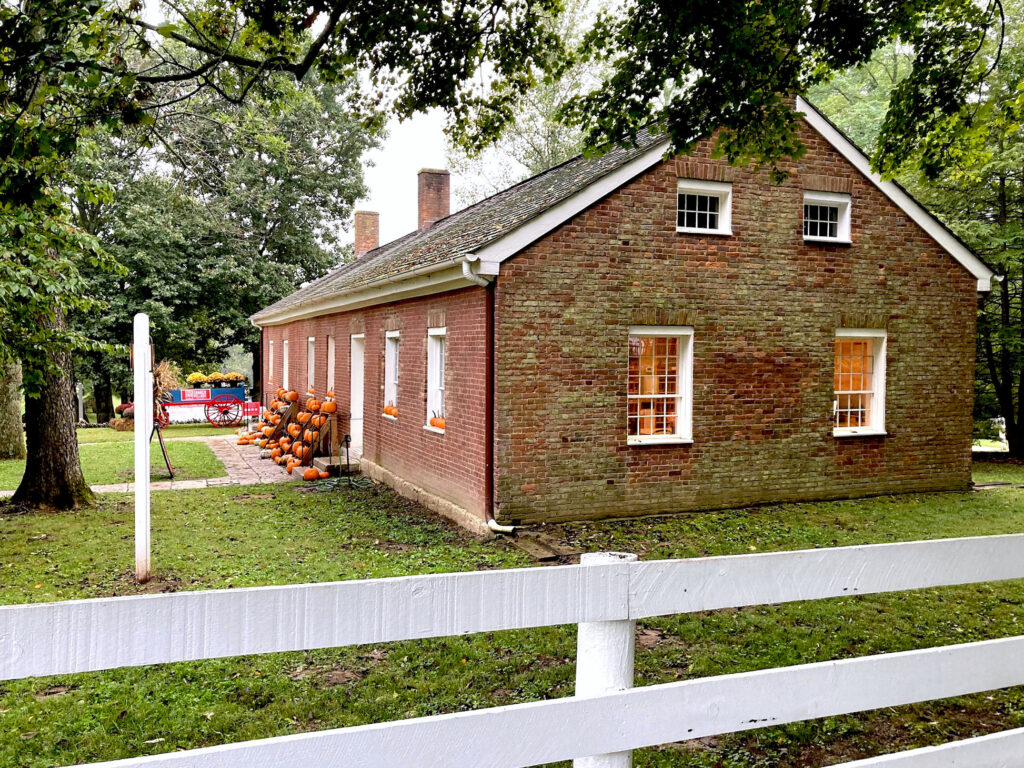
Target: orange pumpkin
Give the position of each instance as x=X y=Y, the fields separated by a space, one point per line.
x=275 y=419
x=437 y=421
x=286 y=443
x=304 y=417
x=268 y=431
x=289 y=467
x=294 y=429
x=311 y=474
x=313 y=404
x=262 y=443
x=330 y=394
x=275 y=453
x=324 y=475
x=329 y=407
x=242 y=441
x=292 y=397
x=309 y=435
x=318 y=421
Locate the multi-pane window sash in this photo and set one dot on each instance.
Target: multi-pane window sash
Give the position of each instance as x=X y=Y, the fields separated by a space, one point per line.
x=696 y=211
x=859 y=383
x=821 y=221
x=435 y=372
x=658 y=385
x=391 y=346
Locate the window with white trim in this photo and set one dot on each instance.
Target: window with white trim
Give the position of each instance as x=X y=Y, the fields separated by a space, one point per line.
x=827 y=217
x=331 y=360
x=704 y=207
x=659 y=391
x=392 y=339
x=859 y=382
x=436 y=338
x=284 y=363
x=311 y=362
x=270 y=361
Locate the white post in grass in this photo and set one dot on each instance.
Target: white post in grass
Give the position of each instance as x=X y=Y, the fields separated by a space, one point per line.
x=605 y=652
x=143 y=399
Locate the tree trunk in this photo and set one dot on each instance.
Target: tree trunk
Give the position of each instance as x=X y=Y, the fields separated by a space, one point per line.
x=12 y=436
x=53 y=477
x=1014 y=441
x=104 y=396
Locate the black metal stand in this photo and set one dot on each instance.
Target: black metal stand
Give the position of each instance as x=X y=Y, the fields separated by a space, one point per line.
x=163 y=448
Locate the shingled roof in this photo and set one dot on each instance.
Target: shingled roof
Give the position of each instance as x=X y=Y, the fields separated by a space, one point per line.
x=466 y=230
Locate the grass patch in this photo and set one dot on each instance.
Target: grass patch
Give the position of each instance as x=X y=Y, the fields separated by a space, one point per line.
x=101 y=435
x=106 y=463
x=217 y=538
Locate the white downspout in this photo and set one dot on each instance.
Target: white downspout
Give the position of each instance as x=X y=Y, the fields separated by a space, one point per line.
x=469 y=274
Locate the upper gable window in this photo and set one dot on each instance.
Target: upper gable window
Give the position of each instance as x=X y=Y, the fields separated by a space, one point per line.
x=827 y=217
x=704 y=207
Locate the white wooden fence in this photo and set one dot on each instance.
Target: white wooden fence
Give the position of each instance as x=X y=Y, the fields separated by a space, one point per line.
x=606 y=595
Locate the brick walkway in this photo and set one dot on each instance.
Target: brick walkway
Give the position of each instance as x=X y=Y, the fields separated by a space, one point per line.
x=242 y=462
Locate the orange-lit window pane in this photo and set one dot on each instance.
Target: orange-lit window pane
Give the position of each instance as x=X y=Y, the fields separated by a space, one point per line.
x=854 y=382
x=653 y=386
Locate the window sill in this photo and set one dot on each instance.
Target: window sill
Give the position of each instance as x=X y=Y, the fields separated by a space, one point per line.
x=696 y=231
x=435 y=430
x=827 y=241
x=389 y=417
x=859 y=433
x=659 y=440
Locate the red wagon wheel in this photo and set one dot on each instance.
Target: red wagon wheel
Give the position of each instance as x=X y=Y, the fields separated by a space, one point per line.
x=224 y=411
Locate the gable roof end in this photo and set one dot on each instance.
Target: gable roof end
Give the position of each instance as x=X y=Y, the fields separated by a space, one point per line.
x=917 y=212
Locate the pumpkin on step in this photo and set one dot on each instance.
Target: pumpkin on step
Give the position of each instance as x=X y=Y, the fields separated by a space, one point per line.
x=311 y=474
x=292 y=397
x=304 y=417
x=294 y=429
x=309 y=435
x=318 y=421
x=329 y=407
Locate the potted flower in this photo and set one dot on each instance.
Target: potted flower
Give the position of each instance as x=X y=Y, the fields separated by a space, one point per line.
x=216 y=379
x=234 y=379
x=196 y=380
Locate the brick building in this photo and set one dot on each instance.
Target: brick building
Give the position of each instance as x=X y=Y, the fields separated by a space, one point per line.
x=632 y=335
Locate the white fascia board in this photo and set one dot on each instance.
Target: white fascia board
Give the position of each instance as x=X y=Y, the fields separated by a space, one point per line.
x=446 y=278
x=493 y=254
x=905 y=202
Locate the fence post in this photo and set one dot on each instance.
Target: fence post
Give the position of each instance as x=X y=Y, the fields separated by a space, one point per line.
x=143 y=405
x=605 y=652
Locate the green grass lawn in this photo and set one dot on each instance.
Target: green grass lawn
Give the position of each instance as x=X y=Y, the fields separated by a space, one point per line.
x=224 y=537
x=107 y=435
x=105 y=463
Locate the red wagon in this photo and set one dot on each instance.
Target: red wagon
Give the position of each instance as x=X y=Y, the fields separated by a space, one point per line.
x=223 y=407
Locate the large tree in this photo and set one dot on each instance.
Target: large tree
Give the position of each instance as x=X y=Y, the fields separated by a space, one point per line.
x=233 y=208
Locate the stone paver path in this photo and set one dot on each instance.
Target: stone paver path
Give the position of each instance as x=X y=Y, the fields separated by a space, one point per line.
x=242 y=463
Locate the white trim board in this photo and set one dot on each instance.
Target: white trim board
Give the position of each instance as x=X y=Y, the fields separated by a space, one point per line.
x=917 y=213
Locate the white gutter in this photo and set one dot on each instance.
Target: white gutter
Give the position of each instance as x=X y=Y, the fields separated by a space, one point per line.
x=469 y=274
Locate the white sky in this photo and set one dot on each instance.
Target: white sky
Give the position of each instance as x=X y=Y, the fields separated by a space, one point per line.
x=417 y=143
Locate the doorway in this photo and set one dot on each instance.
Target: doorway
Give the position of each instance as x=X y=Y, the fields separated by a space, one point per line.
x=356 y=392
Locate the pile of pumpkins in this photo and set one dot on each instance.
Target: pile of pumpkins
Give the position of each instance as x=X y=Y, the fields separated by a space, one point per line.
x=294 y=446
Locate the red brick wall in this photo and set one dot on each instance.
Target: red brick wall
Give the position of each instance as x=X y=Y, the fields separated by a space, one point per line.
x=450 y=465
x=764 y=306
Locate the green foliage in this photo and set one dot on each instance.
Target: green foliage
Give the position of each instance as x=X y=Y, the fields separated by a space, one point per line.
x=732 y=66
x=234 y=208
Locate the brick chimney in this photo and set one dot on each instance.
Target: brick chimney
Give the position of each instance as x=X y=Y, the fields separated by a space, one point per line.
x=367 y=231
x=434 y=188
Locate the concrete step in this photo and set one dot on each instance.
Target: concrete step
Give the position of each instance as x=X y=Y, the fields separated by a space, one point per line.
x=332 y=465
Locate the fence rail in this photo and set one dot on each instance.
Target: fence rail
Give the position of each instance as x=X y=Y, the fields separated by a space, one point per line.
x=88 y=635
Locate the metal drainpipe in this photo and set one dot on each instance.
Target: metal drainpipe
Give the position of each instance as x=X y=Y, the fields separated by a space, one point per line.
x=492 y=524
x=488 y=285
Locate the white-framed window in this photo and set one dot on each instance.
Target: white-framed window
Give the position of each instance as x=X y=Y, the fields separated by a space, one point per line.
x=704 y=207
x=284 y=363
x=859 y=382
x=270 y=360
x=311 y=362
x=659 y=386
x=392 y=340
x=827 y=217
x=436 y=338
x=331 y=361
